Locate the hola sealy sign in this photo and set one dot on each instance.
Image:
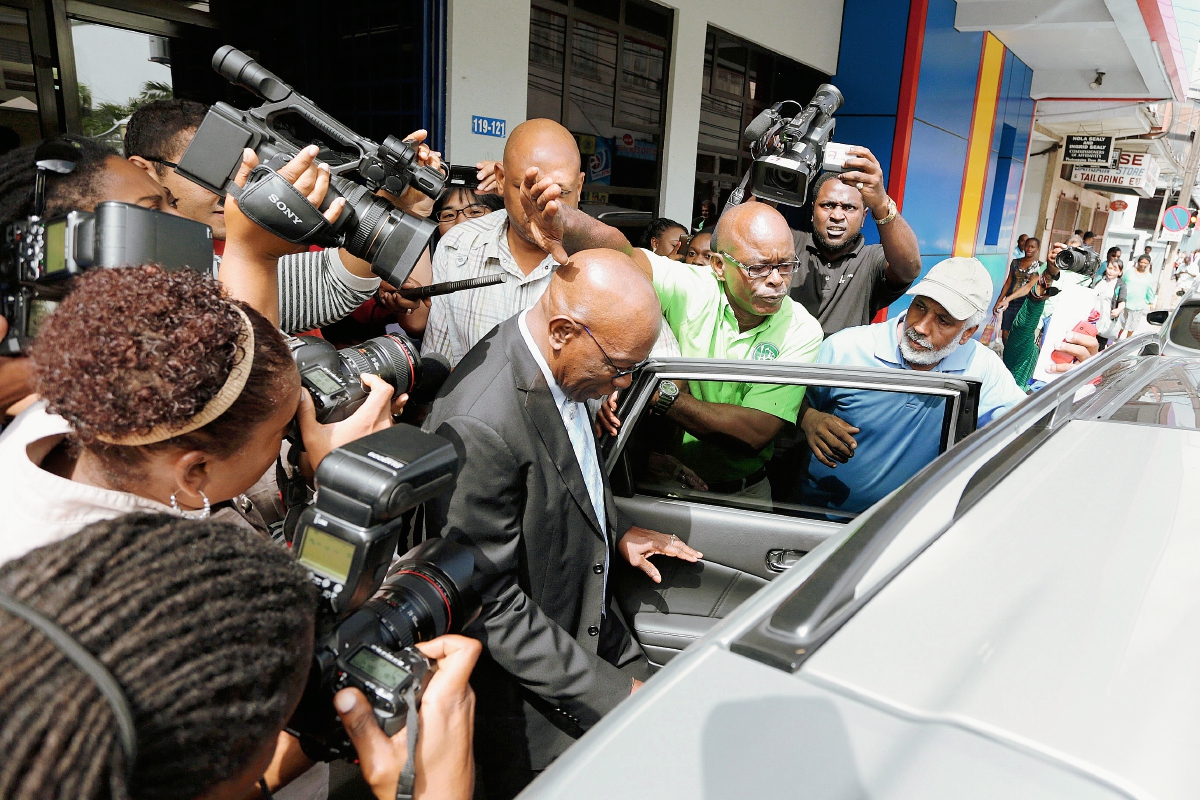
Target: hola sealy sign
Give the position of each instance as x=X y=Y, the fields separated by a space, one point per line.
x=1135 y=173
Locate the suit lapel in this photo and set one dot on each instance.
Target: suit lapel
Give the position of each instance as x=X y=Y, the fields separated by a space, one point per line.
x=539 y=405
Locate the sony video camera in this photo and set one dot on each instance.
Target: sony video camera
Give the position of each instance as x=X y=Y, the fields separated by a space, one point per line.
x=789 y=151
x=1080 y=258
x=331 y=376
x=369 y=227
x=38 y=257
x=372 y=610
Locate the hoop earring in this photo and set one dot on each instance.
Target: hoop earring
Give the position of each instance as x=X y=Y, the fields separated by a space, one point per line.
x=201 y=514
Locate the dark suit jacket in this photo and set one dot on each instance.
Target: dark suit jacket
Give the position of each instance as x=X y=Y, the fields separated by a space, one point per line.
x=522 y=504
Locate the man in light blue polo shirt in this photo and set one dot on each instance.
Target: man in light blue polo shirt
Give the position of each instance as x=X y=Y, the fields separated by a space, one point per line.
x=867 y=443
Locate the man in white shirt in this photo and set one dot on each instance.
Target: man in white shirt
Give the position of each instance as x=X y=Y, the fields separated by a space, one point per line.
x=501 y=244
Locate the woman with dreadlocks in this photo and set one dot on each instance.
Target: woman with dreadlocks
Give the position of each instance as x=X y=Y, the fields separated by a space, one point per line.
x=161 y=394
x=149 y=657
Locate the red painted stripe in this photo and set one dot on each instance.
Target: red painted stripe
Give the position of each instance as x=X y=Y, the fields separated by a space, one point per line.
x=1168 y=46
x=906 y=105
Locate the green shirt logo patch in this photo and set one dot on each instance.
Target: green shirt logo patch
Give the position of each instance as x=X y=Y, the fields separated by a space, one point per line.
x=765 y=351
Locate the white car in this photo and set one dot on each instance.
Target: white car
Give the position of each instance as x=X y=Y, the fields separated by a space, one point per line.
x=1020 y=619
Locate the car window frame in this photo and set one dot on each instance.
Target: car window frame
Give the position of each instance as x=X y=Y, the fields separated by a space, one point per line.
x=959 y=420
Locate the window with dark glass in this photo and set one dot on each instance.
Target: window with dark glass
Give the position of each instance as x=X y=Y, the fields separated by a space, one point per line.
x=600 y=68
x=740 y=80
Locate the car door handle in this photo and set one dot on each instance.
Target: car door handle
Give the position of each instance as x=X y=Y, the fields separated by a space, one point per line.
x=782 y=560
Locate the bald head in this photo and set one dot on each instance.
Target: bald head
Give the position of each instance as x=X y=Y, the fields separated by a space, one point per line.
x=541 y=143
x=750 y=230
x=605 y=291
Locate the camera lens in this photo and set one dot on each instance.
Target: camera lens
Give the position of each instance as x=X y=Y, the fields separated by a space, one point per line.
x=390 y=239
x=783 y=179
x=1065 y=259
x=391 y=357
x=428 y=593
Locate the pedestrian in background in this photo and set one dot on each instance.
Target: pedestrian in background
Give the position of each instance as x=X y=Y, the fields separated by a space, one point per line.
x=1021 y=271
x=1139 y=298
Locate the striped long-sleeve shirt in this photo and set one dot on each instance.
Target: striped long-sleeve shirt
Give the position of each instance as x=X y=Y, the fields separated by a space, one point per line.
x=316 y=289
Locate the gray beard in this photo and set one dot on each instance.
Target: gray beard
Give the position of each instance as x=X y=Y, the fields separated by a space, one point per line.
x=923 y=358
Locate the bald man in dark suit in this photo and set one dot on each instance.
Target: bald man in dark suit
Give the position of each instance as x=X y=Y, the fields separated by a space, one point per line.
x=532 y=501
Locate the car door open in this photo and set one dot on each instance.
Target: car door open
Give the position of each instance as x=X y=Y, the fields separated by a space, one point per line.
x=752 y=512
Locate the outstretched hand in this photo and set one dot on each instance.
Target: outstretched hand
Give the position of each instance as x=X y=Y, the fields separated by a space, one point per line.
x=638 y=544
x=540 y=202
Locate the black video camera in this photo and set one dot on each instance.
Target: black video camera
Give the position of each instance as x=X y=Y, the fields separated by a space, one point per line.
x=331 y=376
x=369 y=227
x=1079 y=258
x=372 y=610
x=38 y=257
x=789 y=151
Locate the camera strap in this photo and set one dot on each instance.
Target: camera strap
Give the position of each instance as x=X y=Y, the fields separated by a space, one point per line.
x=738 y=194
x=408 y=776
x=91 y=666
x=273 y=203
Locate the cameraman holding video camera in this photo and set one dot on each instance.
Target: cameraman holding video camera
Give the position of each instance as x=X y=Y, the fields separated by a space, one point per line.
x=92 y=704
x=315 y=288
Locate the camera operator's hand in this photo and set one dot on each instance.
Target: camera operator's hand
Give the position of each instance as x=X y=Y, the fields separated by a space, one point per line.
x=488 y=182
x=1051 y=267
x=830 y=438
x=867 y=176
x=373 y=415
x=248 y=266
x=445 y=767
x=1078 y=345
x=414 y=201
x=389 y=297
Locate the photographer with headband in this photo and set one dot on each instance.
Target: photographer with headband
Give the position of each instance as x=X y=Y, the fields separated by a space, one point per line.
x=161 y=394
x=151 y=657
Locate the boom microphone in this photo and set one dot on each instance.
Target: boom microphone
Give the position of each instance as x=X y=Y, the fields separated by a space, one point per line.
x=762 y=123
x=436 y=289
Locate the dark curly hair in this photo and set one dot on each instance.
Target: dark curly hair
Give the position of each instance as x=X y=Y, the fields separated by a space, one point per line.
x=137 y=347
x=207 y=629
x=76 y=190
x=156 y=129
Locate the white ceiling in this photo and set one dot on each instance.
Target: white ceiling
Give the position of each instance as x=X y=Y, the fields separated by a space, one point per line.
x=1066 y=42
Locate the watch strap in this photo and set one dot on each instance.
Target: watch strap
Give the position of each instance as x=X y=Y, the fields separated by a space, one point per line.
x=891 y=215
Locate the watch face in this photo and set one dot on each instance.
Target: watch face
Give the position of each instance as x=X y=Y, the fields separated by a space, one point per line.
x=668 y=389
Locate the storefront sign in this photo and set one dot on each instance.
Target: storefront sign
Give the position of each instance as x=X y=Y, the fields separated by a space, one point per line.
x=1088 y=150
x=643 y=151
x=599 y=163
x=489 y=126
x=1118 y=205
x=1135 y=173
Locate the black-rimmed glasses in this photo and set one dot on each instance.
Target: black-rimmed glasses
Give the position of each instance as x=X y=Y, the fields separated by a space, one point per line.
x=470 y=212
x=786 y=268
x=164 y=162
x=618 y=372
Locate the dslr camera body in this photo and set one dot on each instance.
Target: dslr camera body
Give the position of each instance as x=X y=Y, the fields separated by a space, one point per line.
x=1079 y=258
x=373 y=610
x=790 y=151
x=369 y=227
x=39 y=256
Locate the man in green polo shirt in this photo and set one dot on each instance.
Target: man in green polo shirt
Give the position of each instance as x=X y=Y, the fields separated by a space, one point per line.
x=735 y=307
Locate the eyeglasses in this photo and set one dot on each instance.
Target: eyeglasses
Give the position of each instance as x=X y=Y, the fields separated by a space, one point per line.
x=164 y=162
x=470 y=212
x=758 y=271
x=618 y=373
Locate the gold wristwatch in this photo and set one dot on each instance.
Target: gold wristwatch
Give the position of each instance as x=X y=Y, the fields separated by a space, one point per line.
x=891 y=215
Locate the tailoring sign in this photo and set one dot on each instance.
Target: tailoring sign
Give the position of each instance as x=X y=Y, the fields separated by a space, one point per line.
x=1095 y=150
x=1135 y=173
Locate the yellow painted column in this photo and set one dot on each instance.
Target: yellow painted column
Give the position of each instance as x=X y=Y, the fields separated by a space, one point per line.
x=983 y=122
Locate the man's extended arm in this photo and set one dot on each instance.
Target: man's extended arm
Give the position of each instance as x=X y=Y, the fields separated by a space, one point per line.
x=736 y=427
x=484 y=512
x=900 y=246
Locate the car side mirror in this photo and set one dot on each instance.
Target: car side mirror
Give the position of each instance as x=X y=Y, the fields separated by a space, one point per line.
x=1158 y=317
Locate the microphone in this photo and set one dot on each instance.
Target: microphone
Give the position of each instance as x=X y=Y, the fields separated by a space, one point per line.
x=437 y=289
x=762 y=123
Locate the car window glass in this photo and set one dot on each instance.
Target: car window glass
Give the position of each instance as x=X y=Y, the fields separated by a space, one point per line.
x=671 y=456
x=1185 y=327
x=1171 y=399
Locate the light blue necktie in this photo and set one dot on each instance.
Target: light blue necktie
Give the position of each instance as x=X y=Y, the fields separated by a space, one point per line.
x=575 y=418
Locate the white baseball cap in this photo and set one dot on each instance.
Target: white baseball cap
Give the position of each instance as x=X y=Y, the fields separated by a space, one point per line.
x=962 y=285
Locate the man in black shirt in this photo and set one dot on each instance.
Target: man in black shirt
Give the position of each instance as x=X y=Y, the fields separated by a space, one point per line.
x=841 y=281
